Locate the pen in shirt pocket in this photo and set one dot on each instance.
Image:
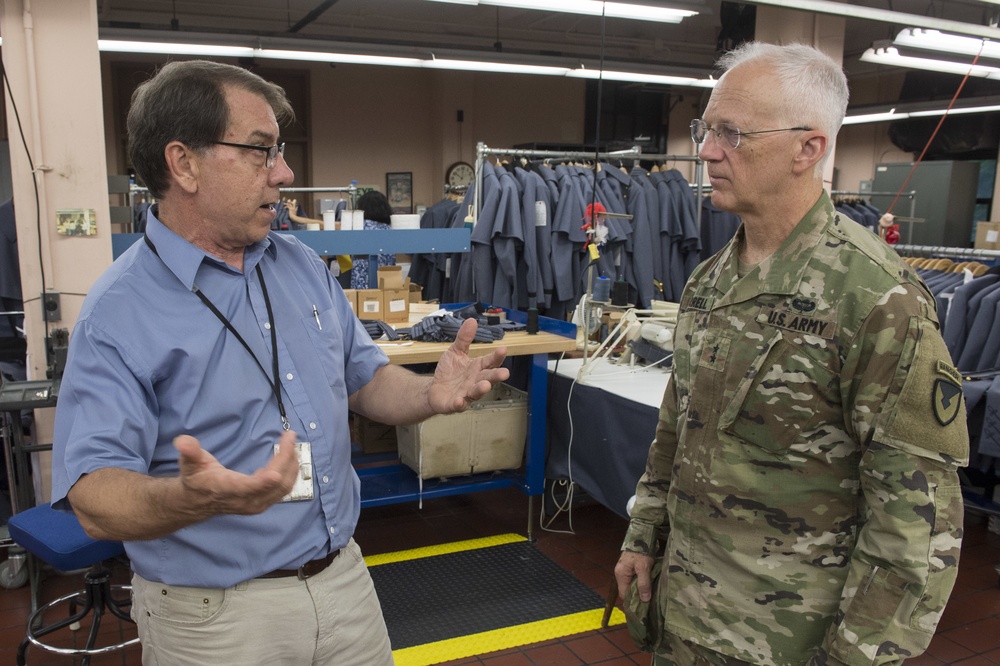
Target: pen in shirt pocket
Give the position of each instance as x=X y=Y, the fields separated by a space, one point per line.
x=316 y=314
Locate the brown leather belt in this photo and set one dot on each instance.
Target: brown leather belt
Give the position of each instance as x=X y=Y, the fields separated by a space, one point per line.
x=307 y=570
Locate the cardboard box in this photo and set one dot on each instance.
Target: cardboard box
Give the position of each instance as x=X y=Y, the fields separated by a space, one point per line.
x=416 y=292
x=396 y=305
x=987 y=236
x=369 y=304
x=352 y=298
x=390 y=277
x=488 y=436
x=374 y=437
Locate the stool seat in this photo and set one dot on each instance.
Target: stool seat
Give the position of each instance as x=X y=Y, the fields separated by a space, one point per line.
x=57 y=538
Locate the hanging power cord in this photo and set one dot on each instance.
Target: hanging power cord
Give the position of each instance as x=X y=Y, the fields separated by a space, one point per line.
x=887 y=217
x=38 y=208
x=566 y=506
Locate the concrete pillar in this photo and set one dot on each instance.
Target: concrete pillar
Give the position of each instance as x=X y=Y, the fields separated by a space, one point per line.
x=53 y=68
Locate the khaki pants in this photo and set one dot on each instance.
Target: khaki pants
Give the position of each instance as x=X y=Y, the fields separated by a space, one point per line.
x=333 y=618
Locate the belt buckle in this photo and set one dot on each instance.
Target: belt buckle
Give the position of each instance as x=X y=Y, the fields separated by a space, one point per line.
x=303 y=572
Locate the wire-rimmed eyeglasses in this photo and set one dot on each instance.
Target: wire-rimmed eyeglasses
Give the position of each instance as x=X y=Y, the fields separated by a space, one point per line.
x=272 y=152
x=729 y=133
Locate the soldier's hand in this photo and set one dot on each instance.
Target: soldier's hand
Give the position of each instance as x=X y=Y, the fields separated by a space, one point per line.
x=634 y=565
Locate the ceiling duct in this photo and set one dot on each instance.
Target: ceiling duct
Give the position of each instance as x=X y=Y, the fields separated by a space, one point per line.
x=969 y=136
x=738 y=23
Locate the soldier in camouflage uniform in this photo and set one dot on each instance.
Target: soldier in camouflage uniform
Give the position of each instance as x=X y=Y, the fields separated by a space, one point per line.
x=804 y=471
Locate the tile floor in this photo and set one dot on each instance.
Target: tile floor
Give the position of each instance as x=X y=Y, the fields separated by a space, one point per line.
x=969 y=632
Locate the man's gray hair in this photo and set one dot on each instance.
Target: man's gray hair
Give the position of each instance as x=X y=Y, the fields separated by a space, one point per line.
x=812 y=86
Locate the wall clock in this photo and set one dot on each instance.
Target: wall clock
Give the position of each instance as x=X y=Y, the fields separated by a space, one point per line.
x=459 y=173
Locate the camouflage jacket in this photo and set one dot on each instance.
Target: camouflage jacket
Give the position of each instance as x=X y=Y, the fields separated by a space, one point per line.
x=804 y=467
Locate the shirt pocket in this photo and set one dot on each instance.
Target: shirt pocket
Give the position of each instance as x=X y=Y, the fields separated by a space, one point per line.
x=326 y=335
x=780 y=397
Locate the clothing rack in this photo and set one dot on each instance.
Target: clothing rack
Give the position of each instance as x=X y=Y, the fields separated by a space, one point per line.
x=635 y=152
x=911 y=195
x=482 y=150
x=698 y=185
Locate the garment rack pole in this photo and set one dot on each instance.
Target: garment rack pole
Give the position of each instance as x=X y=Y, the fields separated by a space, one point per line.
x=960 y=252
x=352 y=189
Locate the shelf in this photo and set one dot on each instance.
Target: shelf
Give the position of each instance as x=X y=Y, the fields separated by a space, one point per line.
x=391 y=484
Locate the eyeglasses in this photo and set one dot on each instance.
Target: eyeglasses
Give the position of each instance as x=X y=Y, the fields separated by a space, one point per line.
x=272 y=152
x=730 y=134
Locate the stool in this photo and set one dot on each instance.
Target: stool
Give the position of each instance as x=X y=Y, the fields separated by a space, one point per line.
x=57 y=538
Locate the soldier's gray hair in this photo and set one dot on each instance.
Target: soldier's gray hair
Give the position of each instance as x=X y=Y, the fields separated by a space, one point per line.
x=812 y=86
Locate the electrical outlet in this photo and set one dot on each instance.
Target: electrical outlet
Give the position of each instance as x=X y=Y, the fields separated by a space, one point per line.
x=50 y=301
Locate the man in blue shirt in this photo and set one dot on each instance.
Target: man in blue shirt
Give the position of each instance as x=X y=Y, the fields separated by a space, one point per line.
x=202 y=416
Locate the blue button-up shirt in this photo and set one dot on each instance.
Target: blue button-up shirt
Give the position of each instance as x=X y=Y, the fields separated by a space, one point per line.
x=148 y=361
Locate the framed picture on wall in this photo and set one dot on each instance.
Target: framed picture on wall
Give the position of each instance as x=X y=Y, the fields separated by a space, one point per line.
x=399 y=191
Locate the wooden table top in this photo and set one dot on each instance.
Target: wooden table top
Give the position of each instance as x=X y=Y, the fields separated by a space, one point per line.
x=518 y=343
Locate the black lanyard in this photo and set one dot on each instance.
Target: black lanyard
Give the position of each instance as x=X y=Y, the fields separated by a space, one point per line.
x=275 y=386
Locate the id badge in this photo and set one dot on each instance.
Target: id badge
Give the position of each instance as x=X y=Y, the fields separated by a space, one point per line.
x=303 y=488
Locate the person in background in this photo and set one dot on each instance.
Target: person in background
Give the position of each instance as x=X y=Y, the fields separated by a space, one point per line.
x=377 y=216
x=202 y=417
x=804 y=471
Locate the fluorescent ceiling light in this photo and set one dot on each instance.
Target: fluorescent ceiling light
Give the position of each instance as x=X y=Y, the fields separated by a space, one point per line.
x=874 y=117
x=890 y=55
x=503 y=67
x=346 y=58
x=893 y=114
x=640 y=77
x=884 y=15
x=237 y=51
x=591 y=8
x=173 y=48
x=935 y=40
x=955 y=112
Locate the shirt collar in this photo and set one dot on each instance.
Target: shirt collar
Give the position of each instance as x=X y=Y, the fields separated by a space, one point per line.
x=184 y=259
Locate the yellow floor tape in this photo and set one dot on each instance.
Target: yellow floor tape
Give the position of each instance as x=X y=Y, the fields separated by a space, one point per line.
x=454 y=547
x=488 y=641
x=502 y=639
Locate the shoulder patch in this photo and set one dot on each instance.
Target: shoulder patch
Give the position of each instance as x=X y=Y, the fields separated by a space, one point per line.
x=946 y=400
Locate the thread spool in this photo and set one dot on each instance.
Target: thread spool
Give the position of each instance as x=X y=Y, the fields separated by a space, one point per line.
x=602 y=289
x=619 y=293
x=532 y=325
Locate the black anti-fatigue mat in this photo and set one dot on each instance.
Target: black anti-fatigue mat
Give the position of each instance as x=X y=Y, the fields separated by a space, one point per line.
x=455 y=594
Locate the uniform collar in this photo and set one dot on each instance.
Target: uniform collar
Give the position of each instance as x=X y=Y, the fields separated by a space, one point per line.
x=782 y=272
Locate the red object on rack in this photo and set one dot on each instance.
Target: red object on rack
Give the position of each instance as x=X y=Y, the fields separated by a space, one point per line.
x=892 y=234
x=590 y=216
